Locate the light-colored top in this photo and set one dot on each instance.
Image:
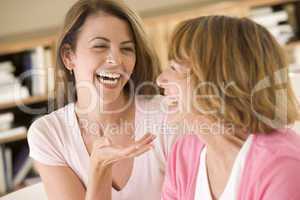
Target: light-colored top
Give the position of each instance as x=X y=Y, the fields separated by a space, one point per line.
x=232 y=187
x=271 y=170
x=55 y=139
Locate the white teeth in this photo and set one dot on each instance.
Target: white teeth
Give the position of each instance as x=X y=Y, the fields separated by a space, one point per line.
x=109 y=74
x=110 y=82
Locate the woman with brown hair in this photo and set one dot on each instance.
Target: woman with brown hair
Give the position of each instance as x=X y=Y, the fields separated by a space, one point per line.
x=230 y=87
x=104 y=78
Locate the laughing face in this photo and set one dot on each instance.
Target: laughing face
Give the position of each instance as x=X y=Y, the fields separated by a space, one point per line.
x=177 y=82
x=104 y=57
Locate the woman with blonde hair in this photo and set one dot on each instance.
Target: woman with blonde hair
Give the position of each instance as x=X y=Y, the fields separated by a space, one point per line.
x=104 y=91
x=230 y=87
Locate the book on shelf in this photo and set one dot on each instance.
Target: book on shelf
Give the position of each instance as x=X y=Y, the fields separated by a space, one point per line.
x=271 y=19
x=277 y=22
x=8 y=168
x=25 y=74
x=16 y=167
x=3 y=184
x=22 y=165
x=10 y=87
x=50 y=70
x=39 y=71
x=7 y=66
x=6 y=120
x=41 y=60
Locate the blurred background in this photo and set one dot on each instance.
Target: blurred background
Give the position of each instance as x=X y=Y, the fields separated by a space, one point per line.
x=27 y=41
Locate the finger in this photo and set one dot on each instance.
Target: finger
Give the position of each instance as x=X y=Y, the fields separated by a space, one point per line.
x=102 y=142
x=140 y=151
x=116 y=159
x=135 y=148
x=147 y=135
x=129 y=152
x=148 y=138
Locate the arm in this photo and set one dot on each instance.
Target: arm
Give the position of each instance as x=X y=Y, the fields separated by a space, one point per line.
x=69 y=186
x=62 y=183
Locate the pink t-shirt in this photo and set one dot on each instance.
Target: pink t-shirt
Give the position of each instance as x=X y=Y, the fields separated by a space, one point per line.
x=55 y=139
x=271 y=172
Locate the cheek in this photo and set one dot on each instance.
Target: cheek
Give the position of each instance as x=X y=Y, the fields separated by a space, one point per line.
x=87 y=62
x=129 y=64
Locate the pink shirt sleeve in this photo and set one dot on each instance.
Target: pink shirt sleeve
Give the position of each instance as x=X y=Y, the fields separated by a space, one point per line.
x=182 y=168
x=169 y=190
x=282 y=181
x=43 y=142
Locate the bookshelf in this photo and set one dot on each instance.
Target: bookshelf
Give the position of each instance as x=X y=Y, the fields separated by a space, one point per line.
x=24 y=41
x=20 y=56
x=25 y=101
x=6 y=138
x=159 y=28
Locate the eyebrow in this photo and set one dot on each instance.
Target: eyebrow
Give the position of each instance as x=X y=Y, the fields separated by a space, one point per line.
x=107 y=40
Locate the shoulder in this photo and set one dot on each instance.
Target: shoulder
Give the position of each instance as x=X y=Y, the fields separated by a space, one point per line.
x=276 y=157
x=52 y=127
x=182 y=167
x=47 y=137
x=280 y=143
x=186 y=150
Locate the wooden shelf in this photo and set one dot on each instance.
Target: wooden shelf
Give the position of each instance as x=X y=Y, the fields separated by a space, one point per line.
x=26 y=101
x=13 y=137
x=26 y=41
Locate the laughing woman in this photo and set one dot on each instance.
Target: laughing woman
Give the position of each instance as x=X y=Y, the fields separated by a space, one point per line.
x=105 y=69
x=232 y=76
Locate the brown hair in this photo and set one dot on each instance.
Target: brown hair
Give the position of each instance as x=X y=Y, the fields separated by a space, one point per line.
x=223 y=50
x=147 y=65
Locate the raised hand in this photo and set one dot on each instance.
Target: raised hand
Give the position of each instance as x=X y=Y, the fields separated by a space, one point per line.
x=105 y=153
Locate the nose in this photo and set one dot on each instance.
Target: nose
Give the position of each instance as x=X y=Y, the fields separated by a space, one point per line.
x=113 y=58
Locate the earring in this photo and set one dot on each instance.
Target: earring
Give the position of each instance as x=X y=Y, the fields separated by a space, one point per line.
x=71 y=72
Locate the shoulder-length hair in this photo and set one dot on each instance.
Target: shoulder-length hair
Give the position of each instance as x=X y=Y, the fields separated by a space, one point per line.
x=242 y=61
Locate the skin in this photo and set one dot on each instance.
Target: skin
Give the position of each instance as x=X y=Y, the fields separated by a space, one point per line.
x=101 y=35
x=222 y=149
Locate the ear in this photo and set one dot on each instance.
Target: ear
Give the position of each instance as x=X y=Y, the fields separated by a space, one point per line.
x=68 y=56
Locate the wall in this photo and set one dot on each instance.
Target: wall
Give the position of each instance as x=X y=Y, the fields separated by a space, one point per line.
x=18 y=16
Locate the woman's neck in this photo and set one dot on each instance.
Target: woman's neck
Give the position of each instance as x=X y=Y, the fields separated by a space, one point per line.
x=112 y=113
x=222 y=151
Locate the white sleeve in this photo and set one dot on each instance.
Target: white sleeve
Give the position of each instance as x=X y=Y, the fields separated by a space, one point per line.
x=44 y=146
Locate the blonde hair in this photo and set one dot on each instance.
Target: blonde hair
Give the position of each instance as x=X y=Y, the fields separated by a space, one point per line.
x=147 y=65
x=223 y=50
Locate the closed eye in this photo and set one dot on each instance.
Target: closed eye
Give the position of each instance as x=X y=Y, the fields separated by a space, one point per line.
x=130 y=49
x=100 y=46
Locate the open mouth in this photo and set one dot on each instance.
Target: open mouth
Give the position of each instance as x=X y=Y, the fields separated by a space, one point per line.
x=108 y=78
